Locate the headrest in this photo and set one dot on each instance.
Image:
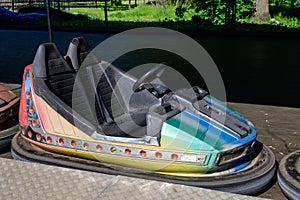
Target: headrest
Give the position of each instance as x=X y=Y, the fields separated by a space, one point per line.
x=78 y=51
x=48 y=61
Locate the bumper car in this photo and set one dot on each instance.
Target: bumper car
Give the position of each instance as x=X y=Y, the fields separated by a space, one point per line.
x=288 y=175
x=81 y=112
x=9 y=107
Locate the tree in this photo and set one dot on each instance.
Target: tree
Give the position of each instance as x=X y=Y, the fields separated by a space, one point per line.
x=261 y=10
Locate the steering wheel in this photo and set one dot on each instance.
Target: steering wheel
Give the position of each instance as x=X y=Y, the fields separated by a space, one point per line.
x=153 y=73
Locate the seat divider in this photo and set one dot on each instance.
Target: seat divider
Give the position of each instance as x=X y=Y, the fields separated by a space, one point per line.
x=103 y=111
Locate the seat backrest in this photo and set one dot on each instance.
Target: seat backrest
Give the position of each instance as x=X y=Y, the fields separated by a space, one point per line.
x=48 y=64
x=77 y=52
x=60 y=78
x=48 y=61
x=81 y=56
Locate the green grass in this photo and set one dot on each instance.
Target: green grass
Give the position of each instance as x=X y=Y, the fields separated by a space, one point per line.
x=141 y=13
x=154 y=15
x=289 y=22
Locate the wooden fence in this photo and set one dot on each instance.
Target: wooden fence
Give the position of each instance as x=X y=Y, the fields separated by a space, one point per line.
x=16 y=4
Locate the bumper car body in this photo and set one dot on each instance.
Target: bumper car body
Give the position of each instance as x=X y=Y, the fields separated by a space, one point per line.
x=81 y=112
x=182 y=133
x=9 y=107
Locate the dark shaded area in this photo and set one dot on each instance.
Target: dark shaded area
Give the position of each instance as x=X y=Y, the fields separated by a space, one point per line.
x=42 y=10
x=36 y=16
x=255 y=69
x=285 y=11
x=7 y=16
x=261 y=70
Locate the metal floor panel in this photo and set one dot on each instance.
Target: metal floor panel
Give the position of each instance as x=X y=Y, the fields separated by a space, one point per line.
x=23 y=180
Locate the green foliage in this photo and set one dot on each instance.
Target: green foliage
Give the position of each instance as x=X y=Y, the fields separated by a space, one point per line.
x=180 y=10
x=285 y=3
x=244 y=9
x=214 y=11
x=205 y=10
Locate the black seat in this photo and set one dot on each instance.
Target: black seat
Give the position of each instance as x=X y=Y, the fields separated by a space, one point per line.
x=112 y=114
x=55 y=81
x=59 y=76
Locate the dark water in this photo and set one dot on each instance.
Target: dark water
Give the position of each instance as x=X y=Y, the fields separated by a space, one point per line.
x=262 y=70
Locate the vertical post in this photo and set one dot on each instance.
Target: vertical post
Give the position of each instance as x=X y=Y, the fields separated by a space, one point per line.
x=105 y=13
x=49 y=21
x=59 y=17
x=13 y=5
